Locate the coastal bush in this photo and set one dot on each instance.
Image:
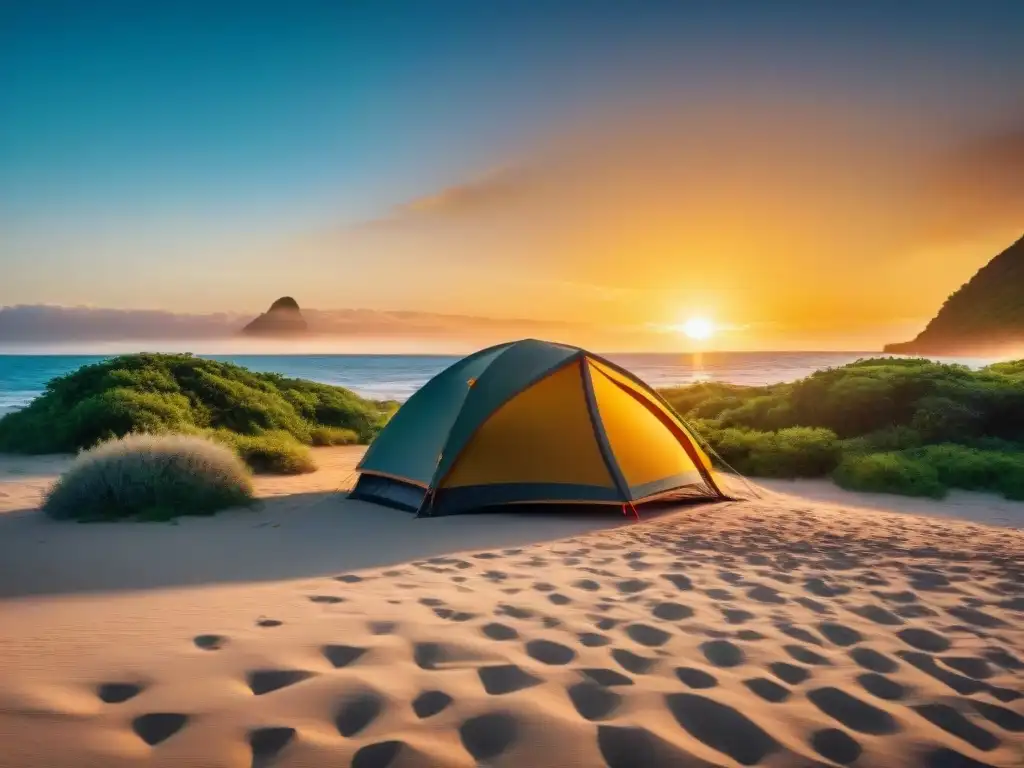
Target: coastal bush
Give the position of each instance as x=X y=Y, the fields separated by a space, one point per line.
x=149 y=477
x=927 y=422
x=276 y=452
x=333 y=436
x=889 y=473
x=160 y=394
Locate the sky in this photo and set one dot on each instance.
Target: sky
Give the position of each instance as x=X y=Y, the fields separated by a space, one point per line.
x=807 y=175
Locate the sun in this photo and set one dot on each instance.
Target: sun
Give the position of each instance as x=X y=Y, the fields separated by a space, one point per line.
x=699 y=328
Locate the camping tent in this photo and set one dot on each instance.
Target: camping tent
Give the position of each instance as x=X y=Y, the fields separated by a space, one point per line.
x=532 y=422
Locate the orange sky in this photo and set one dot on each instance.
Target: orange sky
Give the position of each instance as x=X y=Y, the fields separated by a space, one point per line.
x=819 y=230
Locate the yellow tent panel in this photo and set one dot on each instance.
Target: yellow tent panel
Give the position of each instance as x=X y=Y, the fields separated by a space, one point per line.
x=646 y=451
x=542 y=435
x=667 y=416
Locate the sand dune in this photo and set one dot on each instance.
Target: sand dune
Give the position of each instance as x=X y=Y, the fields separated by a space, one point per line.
x=772 y=632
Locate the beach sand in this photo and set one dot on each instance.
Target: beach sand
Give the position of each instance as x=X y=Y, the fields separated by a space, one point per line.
x=318 y=631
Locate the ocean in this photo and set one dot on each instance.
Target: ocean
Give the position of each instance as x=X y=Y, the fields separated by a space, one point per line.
x=23 y=377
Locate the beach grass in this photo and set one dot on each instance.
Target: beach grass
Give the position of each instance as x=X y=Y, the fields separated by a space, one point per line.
x=150 y=477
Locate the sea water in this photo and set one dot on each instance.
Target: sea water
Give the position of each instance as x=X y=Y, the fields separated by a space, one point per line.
x=23 y=377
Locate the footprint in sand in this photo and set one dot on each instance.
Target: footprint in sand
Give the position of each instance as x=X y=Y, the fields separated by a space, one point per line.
x=972 y=666
x=379 y=755
x=944 y=757
x=326 y=599
x=1005 y=718
x=764 y=594
x=210 y=642
x=953 y=722
x=342 y=655
x=430 y=703
x=806 y=655
x=881 y=687
x=924 y=640
x=721 y=727
x=836 y=745
x=593 y=639
x=669 y=611
x=506 y=678
x=550 y=652
x=874 y=661
x=821 y=588
x=497 y=631
x=263 y=681
x=798 y=633
x=382 y=627
x=695 y=678
x=767 y=689
x=267 y=743
x=928 y=665
x=606 y=677
x=630 y=747
x=631 y=662
x=855 y=714
x=356 y=711
x=487 y=736
x=722 y=653
x=789 y=673
x=839 y=634
x=593 y=701
x=1003 y=658
x=118 y=693
x=877 y=614
x=632 y=586
x=644 y=634
x=736 y=616
x=157 y=727
x=679 y=581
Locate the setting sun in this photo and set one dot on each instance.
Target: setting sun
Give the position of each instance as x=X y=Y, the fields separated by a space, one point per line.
x=699 y=328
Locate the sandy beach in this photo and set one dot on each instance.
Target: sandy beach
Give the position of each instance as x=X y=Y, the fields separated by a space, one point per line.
x=786 y=630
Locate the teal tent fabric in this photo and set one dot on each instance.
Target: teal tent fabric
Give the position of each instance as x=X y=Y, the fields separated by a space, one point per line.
x=409 y=448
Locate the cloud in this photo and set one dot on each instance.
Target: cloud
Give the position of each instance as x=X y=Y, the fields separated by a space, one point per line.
x=44 y=323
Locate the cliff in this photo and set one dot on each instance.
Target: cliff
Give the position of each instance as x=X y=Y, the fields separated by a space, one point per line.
x=284 y=318
x=984 y=316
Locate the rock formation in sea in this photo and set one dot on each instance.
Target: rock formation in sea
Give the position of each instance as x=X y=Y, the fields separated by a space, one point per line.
x=985 y=316
x=284 y=318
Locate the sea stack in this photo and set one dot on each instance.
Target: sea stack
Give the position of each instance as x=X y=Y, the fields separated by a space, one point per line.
x=284 y=318
x=983 y=317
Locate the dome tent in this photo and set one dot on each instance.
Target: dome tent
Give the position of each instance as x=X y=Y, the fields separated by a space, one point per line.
x=532 y=422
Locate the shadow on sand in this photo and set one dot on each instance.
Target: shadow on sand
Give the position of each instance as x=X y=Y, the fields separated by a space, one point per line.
x=285 y=537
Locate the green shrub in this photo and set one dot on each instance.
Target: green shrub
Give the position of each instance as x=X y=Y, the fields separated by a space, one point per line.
x=794 y=452
x=938 y=419
x=904 y=425
x=333 y=436
x=271 y=452
x=889 y=473
x=149 y=477
x=889 y=439
x=157 y=394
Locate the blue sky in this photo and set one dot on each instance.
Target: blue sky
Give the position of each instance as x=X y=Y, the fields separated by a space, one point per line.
x=133 y=134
